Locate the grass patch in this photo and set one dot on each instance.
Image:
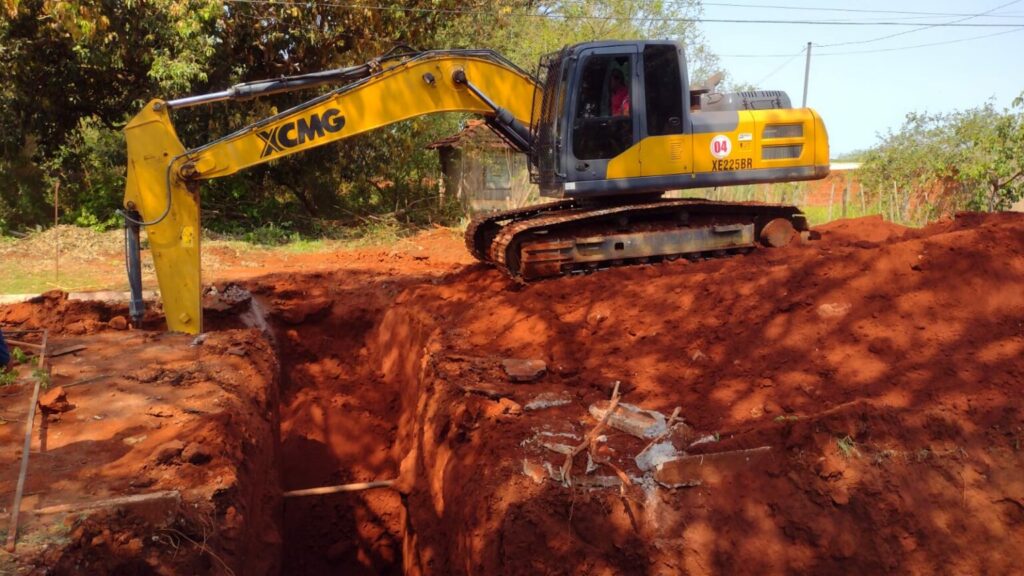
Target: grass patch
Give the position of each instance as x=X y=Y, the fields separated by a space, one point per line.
x=786 y=418
x=817 y=215
x=847 y=447
x=29 y=279
x=19 y=356
x=43 y=375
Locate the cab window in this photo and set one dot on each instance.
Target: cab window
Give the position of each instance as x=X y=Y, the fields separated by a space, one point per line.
x=603 y=124
x=663 y=90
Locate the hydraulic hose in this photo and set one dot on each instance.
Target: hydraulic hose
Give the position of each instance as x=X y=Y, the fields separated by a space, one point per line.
x=133 y=266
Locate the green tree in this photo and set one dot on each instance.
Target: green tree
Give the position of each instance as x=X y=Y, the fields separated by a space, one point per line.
x=989 y=155
x=542 y=27
x=972 y=159
x=74 y=71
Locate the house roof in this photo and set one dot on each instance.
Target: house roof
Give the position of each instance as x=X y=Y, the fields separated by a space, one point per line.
x=475 y=133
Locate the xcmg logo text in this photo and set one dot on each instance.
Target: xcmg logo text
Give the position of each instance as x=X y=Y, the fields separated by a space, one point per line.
x=300 y=131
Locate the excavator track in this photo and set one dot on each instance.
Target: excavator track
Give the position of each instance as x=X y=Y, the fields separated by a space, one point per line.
x=481 y=230
x=563 y=237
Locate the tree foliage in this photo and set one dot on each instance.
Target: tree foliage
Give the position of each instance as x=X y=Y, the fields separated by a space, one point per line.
x=972 y=159
x=72 y=72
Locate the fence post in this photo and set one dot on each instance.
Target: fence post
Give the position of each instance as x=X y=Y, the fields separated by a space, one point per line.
x=893 y=202
x=56 y=221
x=831 y=200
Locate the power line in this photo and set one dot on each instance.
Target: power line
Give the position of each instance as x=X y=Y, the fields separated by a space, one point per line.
x=924 y=27
x=778 y=68
x=874 y=50
x=944 y=42
x=854 y=10
x=557 y=16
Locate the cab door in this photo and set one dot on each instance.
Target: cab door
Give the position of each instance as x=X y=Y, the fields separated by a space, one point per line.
x=666 y=147
x=604 y=124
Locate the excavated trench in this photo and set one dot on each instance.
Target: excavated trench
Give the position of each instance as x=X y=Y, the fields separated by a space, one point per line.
x=338 y=426
x=344 y=364
x=888 y=397
x=875 y=414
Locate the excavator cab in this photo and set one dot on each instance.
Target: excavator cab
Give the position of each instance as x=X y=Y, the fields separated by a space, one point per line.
x=587 y=144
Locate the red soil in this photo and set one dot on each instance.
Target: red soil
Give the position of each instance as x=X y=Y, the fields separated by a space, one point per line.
x=150 y=414
x=880 y=364
x=910 y=352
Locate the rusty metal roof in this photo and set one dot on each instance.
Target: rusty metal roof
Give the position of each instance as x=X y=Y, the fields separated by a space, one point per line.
x=475 y=133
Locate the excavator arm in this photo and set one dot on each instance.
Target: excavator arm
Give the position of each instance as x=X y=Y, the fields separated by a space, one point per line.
x=162 y=192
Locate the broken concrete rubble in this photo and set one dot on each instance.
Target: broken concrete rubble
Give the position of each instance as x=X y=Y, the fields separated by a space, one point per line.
x=548 y=400
x=632 y=419
x=704 y=468
x=556 y=447
x=670 y=445
x=656 y=454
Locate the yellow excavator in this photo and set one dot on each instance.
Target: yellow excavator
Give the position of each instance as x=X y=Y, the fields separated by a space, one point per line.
x=609 y=127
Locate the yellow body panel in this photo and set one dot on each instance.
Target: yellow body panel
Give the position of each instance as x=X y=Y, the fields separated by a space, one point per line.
x=692 y=153
x=672 y=154
x=395 y=94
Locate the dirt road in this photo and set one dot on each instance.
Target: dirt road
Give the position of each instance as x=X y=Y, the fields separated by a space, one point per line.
x=876 y=370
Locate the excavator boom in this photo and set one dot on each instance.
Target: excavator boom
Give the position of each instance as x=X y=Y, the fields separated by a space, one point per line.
x=163 y=175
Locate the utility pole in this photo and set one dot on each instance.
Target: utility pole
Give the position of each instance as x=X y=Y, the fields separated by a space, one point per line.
x=807 y=73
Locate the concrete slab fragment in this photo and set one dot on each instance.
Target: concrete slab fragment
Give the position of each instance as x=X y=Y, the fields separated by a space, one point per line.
x=631 y=419
x=707 y=468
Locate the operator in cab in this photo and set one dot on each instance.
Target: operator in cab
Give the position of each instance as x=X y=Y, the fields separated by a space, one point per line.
x=619 y=94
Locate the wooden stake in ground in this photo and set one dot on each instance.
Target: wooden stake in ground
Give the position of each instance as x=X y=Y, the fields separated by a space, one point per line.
x=12 y=534
x=172 y=495
x=21 y=343
x=590 y=437
x=56 y=221
x=358 y=486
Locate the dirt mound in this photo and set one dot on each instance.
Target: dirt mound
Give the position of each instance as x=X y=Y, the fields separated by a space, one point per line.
x=85 y=243
x=53 y=311
x=868 y=229
x=882 y=378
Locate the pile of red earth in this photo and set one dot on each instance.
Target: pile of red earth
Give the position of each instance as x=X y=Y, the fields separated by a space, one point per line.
x=849 y=405
x=880 y=368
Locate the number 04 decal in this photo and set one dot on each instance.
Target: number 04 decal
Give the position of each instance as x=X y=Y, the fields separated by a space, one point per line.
x=721 y=146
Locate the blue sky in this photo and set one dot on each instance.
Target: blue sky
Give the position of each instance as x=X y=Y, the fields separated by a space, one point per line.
x=863 y=95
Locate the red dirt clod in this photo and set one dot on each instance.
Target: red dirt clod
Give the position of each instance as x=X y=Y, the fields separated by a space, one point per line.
x=168 y=451
x=524 y=370
x=118 y=323
x=55 y=401
x=196 y=453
